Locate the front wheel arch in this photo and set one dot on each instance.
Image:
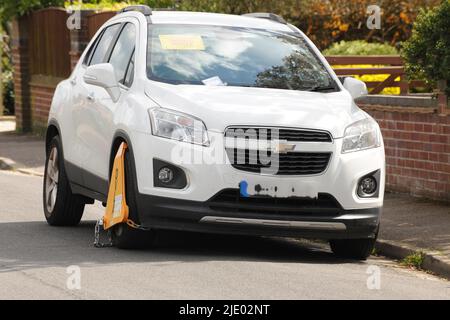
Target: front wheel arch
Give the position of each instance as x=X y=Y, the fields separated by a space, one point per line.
x=120 y=137
x=52 y=131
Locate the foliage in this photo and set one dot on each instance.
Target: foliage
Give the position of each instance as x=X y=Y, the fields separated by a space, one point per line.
x=286 y=7
x=324 y=21
x=330 y=21
x=6 y=76
x=427 y=52
x=111 y=5
x=360 y=48
x=11 y=8
x=414 y=260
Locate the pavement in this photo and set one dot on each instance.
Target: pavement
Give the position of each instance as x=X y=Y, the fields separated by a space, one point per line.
x=42 y=262
x=20 y=152
x=409 y=225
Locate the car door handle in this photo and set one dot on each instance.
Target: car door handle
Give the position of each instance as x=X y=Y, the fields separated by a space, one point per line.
x=91 y=96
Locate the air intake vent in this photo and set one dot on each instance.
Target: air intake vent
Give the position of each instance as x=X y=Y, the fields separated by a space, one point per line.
x=293 y=163
x=230 y=201
x=279 y=134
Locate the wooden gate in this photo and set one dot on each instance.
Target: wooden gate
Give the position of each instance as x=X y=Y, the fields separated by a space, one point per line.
x=392 y=66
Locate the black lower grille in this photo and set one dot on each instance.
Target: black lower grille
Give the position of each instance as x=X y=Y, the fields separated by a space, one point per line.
x=231 y=201
x=293 y=163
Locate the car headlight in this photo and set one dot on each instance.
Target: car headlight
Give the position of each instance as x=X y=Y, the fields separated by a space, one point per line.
x=361 y=135
x=178 y=126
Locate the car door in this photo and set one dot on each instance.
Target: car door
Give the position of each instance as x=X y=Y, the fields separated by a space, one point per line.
x=100 y=111
x=77 y=125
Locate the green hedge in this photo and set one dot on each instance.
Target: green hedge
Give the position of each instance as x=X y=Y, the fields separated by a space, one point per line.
x=360 y=48
x=6 y=76
x=427 y=52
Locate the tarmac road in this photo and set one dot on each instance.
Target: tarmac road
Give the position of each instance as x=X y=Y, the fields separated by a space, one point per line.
x=42 y=262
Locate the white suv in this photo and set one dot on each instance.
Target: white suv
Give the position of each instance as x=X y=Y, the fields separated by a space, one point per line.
x=234 y=124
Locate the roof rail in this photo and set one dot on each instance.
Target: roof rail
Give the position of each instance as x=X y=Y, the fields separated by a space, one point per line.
x=268 y=16
x=146 y=10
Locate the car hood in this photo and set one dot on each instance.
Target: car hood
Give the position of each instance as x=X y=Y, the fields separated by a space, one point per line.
x=221 y=107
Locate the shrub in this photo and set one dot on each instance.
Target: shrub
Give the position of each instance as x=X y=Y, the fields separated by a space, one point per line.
x=330 y=21
x=11 y=8
x=427 y=52
x=8 y=95
x=115 y=5
x=6 y=76
x=360 y=48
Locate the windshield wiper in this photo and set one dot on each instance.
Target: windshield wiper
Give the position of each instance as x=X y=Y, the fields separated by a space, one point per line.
x=321 y=89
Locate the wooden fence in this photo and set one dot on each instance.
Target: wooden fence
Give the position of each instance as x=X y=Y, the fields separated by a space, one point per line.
x=49 y=43
x=392 y=66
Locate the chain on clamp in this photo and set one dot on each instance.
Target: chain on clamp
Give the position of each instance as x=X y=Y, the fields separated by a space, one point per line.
x=97 y=242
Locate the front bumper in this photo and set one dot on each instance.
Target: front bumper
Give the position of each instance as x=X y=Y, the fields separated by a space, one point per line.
x=208 y=170
x=175 y=214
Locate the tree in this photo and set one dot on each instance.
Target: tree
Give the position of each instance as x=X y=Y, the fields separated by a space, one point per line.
x=427 y=52
x=11 y=8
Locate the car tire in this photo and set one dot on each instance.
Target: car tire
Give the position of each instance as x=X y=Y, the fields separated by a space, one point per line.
x=61 y=206
x=122 y=235
x=355 y=249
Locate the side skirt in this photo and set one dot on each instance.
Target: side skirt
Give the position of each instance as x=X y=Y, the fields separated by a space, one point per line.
x=85 y=183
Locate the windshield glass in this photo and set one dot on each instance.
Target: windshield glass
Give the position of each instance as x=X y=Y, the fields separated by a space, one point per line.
x=216 y=56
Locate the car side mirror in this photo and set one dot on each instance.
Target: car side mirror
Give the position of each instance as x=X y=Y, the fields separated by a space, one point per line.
x=103 y=75
x=356 y=87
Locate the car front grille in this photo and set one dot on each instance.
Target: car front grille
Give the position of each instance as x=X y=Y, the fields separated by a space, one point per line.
x=277 y=163
x=229 y=200
x=297 y=135
x=292 y=163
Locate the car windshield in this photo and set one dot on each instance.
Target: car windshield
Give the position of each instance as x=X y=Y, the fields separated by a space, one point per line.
x=228 y=56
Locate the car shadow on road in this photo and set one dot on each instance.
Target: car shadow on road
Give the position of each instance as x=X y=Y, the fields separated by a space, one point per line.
x=28 y=245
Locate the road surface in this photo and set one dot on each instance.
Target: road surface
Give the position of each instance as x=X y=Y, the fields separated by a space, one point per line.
x=42 y=262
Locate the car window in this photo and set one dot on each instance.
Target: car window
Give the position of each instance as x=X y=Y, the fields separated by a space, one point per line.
x=103 y=45
x=123 y=50
x=130 y=73
x=88 y=57
x=216 y=55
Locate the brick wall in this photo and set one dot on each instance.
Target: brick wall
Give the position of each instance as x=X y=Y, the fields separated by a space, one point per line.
x=417 y=142
x=41 y=99
x=21 y=63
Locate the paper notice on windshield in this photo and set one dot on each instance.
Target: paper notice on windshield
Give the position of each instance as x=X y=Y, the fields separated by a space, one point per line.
x=214 y=82
x=182 y=42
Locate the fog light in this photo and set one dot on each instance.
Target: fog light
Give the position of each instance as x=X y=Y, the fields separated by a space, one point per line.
x=367 y=187
x=165 y=175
